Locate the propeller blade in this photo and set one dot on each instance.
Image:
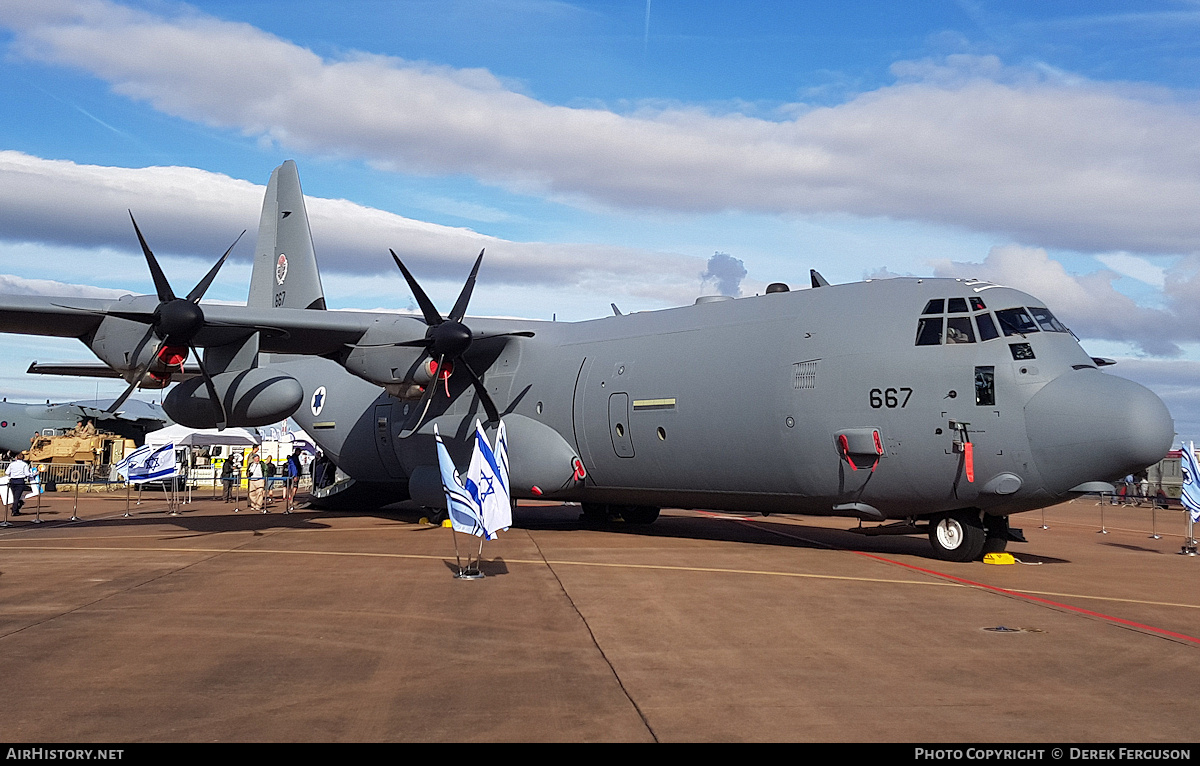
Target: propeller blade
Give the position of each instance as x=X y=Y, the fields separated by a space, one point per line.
x=432 y=317
x=488 y=405
x=161 y=285
x=426 y=400
x=141 y=371
x=460 y=306
x=202 y=286
x=519 y=334
x=212 y=389
x=424 y=343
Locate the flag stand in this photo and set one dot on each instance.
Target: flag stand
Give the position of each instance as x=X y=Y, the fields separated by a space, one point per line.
x=1189 y=545
x=479 y=503
x=470 y=571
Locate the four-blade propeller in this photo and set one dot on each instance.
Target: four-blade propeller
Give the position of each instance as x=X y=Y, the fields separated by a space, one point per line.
x=175 y=322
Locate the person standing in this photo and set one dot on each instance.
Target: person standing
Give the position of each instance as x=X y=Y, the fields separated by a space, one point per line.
x=293 y=480
x=19 y=475
x=228 y=477
x=257 y=484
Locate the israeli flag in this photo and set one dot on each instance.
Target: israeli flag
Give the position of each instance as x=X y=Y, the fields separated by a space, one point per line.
x=461 y=502
x=148 y=464
x=488 y=476
x=133 y=458
x=1190 y=494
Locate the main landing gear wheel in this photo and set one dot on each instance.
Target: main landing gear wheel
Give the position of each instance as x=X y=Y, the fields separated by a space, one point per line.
x=593 y=514
x=996 y=528
x=639 y=514
x=957 y=535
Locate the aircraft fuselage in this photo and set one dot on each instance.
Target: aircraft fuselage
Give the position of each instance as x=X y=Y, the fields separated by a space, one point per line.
x=838 y=400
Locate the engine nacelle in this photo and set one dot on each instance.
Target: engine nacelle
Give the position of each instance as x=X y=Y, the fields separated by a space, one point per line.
x=255 y=397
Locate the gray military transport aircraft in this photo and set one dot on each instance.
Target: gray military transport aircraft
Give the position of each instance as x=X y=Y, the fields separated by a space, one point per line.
x=18 y=421
x=939 y=405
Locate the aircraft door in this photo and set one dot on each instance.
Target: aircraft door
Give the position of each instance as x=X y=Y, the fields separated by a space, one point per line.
x=385 y=439
x=618 y=424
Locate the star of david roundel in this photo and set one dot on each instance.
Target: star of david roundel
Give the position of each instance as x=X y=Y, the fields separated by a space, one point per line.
x=317 y=403
x=281 y=268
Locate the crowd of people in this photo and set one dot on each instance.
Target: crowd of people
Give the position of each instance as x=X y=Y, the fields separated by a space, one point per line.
x=259 y=473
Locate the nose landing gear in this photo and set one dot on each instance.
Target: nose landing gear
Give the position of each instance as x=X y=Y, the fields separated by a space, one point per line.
x=957 y=535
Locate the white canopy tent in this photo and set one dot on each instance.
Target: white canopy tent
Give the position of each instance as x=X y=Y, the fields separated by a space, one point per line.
x=183 y=436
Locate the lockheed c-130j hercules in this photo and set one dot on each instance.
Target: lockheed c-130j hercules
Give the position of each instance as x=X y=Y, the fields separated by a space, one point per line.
x=943 y=405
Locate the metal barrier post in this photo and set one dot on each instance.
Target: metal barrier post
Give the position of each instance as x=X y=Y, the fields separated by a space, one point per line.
x=75 y=476
x=37 y=511
x=6 y=522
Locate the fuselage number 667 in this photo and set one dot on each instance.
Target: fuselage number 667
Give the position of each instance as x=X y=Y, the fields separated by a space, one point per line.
x=890 y=397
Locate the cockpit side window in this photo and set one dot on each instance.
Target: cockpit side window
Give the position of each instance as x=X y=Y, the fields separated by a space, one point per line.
x=977 y=304
x=935 y=306
x=1048 y=321
x=929 y=331
x=957 y=306
x=1016 y=322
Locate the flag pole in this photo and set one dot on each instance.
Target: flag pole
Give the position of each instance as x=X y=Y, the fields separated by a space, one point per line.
x=1189 y=494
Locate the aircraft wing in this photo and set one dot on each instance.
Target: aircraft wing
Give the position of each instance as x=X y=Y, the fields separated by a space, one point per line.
x=58 y=317
x=282 y=330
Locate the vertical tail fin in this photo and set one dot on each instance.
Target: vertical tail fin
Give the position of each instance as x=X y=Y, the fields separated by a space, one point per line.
x=285 y=264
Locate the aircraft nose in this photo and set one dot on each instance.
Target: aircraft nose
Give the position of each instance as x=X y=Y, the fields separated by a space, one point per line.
x=1086 y=425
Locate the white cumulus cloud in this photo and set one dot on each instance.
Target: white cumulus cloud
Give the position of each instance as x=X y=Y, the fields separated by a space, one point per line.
x=965 y=141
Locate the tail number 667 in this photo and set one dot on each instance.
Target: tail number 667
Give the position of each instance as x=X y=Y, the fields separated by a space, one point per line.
x=890 y=397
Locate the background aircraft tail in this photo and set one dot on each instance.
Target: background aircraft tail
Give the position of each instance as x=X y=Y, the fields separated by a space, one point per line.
x=285 y=264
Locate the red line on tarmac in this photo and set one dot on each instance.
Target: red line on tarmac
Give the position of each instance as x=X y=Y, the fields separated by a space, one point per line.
x=1004 y=591
x=1007 y=592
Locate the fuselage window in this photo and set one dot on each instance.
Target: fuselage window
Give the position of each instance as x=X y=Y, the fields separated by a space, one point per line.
x=977 y=304
x=929 y=331
x=1015 y=322
x=934 y=306
x=1048 y=321
x=987 y=328
x=985 y=386
x=957 y=306
x=958 y=330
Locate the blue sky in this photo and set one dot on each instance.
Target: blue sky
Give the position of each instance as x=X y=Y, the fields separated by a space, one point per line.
x=605 y=151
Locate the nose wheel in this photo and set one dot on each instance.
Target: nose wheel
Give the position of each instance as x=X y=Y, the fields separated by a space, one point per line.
x=957 y=535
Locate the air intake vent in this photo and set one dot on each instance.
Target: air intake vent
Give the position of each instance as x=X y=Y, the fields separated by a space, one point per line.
x=804 y=374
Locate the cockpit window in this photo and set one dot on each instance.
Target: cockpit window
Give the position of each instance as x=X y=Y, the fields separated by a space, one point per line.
x=929 y=331
x=977 y=304
x=934 y=306
x=958 y=330
x=987 y=328
x=957 y=306
x=1047 y=320
x=1015 y=322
